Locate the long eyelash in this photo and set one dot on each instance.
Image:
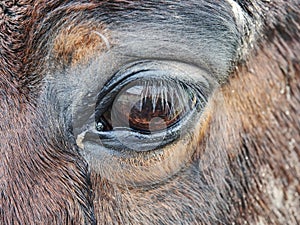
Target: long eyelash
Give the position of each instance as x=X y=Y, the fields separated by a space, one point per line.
x=170 y=91
x=166 y=98
x=143 y=99
x=202 y=100
x=154 y=97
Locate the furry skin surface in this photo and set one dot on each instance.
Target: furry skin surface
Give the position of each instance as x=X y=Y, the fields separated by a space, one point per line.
x=245 y=166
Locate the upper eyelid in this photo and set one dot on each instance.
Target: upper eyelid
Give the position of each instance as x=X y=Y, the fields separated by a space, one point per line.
x=177 y=69
x=147 y=69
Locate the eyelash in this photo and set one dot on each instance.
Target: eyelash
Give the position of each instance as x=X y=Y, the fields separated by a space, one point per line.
x=158 y=96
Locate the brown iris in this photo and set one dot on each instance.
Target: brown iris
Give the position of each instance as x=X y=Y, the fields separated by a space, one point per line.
x=148 y=106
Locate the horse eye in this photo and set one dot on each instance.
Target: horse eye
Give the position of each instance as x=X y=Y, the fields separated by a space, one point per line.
x=142 y=117
x=147 y=107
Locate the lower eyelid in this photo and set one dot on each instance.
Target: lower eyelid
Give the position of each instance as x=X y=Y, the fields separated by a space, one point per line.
x=139 y=168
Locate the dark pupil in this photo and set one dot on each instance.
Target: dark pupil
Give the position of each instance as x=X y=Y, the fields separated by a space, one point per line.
x=147 y=108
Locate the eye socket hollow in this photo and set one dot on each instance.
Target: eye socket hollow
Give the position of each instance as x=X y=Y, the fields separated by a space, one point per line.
x=148 y=106
x=143 y=116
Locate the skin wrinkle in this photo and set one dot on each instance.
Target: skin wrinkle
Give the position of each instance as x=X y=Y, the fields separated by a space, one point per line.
x=150 y=27
x=245 y=168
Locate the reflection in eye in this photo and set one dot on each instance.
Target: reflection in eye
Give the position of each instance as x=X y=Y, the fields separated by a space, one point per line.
x=148 y=106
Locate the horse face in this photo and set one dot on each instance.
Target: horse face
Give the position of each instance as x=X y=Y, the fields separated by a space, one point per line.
x=166 y=112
